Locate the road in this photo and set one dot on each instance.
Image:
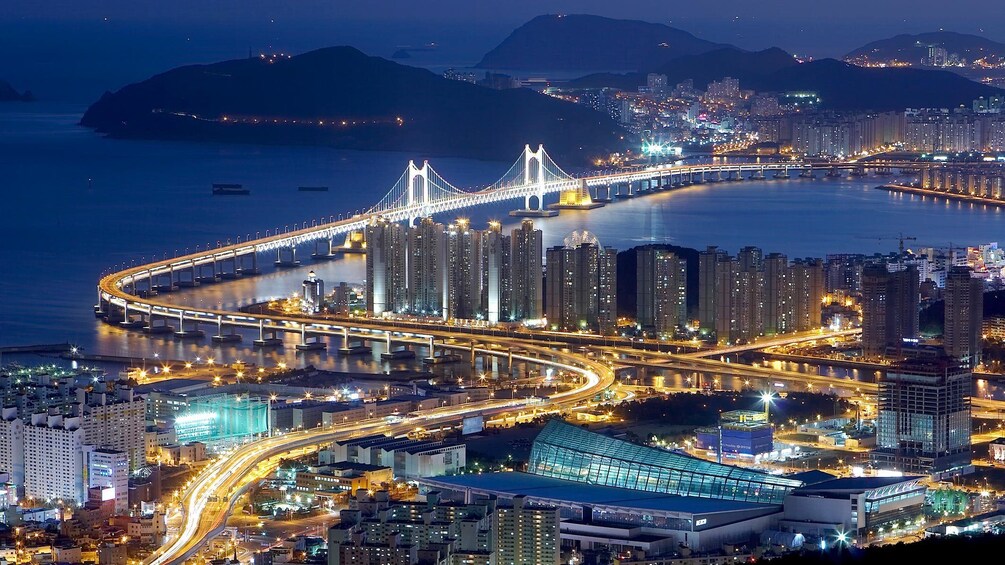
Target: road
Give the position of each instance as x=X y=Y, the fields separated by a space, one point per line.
x=211 y=495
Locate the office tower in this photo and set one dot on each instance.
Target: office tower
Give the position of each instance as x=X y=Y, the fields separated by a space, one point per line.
x=313 y=294
x=386 y=282
x=807 y=293
x=889 y=308
x=778 y=312
x=528 y=533
x=582 y=281
x=426 y=268
x=496 y=274
x=462 y=288
x=707 y=294
x=964 y=315
x=924 y=417
x=525 y=256
x=661 y=290
x=108 y=469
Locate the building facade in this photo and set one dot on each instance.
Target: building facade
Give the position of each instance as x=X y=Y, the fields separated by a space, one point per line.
x=964 y=301
x=924 y=417
x=661 y=290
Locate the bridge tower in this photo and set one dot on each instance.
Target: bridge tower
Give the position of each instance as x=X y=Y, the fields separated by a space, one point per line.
x=418 y=193
x=529 y=159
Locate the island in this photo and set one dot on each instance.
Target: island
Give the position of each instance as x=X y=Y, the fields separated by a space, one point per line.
x=341 y=97
x=9 y=94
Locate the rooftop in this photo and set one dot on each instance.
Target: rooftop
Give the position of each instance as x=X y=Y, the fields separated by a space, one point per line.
x=549 y=489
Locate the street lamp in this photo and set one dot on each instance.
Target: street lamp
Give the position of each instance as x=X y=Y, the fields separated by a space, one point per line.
x=767 y=398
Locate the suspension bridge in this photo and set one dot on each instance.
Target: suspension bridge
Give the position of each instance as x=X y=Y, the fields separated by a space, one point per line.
x=129 y=295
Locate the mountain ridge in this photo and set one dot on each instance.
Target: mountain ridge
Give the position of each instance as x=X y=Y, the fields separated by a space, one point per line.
x=341 y=97
x=582 y=42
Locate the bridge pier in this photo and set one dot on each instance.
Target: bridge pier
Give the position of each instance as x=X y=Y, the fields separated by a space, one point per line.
x=130 y=323
x=156 y=285
x=758 y=174
x=310 y=342
x=290 y=258
x=220 y=337
x=629 y=193
x=267 y=337
x=323 y=250
x=192 y=279
x=253 y=269
x=212 y=278
x=234 y=272
x=808 y=173
x=834 y=173
x=193 y=333
x=783 y=174
x=153 y=328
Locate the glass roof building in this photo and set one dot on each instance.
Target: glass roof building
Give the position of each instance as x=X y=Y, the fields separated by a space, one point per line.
x=564 y=451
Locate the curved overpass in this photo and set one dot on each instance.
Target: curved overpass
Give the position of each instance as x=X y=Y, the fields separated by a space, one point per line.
x=209 y=499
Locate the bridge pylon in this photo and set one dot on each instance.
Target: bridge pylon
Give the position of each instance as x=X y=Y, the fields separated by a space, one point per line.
x=418 y=194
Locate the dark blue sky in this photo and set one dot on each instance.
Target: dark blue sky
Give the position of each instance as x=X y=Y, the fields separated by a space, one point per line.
x=94 y=45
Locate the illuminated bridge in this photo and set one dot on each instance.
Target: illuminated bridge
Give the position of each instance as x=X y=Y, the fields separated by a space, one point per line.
x=130 y=297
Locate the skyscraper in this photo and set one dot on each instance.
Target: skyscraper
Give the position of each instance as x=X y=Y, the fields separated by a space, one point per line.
x=462 y=289
x=385 y=267
x=582 y=281
x=496 y=274
x=964 y=316
x=924 y=417
x=426 y=268
x=527 y=288
x=889 y=308
x=661 y=289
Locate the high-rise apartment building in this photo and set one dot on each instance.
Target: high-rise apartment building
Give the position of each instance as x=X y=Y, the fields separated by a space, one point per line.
x=661 y=290
x=53 y=458
x=116 y=419
x=462 y=288
x=889 y=308
x=923 y=423
x=744 y=297
x=496 y=274
x=778 y=288
x=526 y=253
x=375 y=530
x=807 y=277
x=528 y=533
x=582 y=282
x=426 y=268
x=386 y=276
x=964 y=300
x=707 y=294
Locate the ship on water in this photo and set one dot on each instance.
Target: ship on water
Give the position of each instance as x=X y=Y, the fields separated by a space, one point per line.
x=224 y=189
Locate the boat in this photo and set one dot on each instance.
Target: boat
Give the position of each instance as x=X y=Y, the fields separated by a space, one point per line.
x=224 y=189
x=313 y=188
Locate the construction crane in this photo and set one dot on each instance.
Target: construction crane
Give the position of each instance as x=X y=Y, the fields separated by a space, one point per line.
x=901 y=238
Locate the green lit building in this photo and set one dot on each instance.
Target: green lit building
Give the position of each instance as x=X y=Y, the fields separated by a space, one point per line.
x=221 y=417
